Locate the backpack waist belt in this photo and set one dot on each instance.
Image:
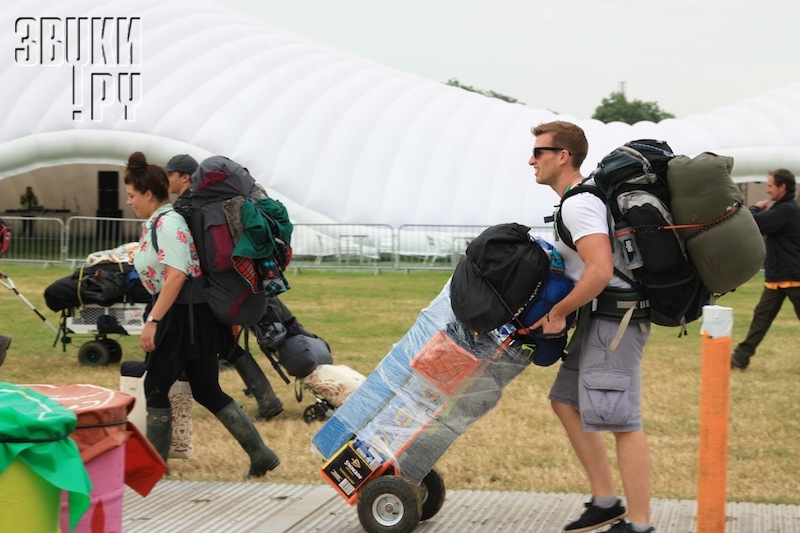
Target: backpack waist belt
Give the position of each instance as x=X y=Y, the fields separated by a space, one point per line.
x=626 y=305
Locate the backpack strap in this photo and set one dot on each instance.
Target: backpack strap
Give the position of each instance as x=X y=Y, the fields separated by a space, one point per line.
x=564 y=234
x=629 y=306
x=561 y=229
x=625 y=305
x=191 y=293
x=153 y=233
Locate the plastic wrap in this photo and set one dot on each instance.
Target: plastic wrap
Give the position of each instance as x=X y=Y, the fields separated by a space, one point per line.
x=427 y=391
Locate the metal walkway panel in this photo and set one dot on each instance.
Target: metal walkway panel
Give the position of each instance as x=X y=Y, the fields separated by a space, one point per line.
x=259 y=507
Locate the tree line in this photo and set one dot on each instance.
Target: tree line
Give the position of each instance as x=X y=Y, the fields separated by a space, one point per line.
x=614 y=108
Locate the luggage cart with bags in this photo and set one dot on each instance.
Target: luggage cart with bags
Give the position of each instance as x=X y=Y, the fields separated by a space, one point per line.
x=380 y=447
x=101 y=300
x=100 y=322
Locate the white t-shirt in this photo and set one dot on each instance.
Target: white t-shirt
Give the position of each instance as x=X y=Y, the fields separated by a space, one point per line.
x=585 y=214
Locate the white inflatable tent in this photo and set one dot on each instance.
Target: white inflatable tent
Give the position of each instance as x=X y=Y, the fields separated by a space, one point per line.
x=337 y=138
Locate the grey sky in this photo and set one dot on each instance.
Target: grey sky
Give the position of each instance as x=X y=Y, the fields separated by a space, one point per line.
x=689 y=56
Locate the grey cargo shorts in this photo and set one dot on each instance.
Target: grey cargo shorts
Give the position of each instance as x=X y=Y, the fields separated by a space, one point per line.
x=605 y=387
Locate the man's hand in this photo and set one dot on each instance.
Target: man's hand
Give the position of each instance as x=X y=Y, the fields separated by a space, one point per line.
x=552 y=324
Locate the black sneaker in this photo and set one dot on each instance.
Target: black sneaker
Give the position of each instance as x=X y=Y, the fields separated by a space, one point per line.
x=625 y=527
x=594 y=517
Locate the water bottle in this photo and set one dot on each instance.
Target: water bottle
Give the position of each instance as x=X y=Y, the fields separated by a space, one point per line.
x=627 y=243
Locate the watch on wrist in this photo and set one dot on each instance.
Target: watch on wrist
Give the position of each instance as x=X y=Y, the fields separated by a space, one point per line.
x=153 y=320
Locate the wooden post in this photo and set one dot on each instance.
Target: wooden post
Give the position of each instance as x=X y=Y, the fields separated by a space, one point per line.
x=714 y=408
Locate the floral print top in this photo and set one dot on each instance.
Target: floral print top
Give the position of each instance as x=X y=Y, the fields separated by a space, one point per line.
x=175 y=248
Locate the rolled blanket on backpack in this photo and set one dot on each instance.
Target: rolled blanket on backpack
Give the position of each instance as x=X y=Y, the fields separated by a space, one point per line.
x=727 y=248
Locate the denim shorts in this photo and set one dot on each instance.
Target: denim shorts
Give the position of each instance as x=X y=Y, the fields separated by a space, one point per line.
x=605 y=387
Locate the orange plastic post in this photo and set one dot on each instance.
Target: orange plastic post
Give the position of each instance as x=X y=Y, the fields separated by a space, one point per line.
x=714 y=408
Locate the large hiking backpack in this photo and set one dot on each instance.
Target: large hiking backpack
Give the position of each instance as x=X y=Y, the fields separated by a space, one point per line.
x=5 y=237
x=632 y=182
x=243 y=238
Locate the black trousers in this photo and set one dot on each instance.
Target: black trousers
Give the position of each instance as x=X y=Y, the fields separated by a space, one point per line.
x=765 y=312
x=203 y=376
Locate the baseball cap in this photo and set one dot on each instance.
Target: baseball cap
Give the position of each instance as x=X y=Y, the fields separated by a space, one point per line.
x=183 y=163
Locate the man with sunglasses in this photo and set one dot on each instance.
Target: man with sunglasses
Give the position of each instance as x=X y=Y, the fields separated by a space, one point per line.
x=596 y=389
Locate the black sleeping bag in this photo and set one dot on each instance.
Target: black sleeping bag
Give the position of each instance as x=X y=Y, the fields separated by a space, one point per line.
x=103 y=284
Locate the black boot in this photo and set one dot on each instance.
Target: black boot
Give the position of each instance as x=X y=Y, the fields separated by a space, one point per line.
x=238 y=424
x=5 y=342
x=159 y=430
x=269 y=405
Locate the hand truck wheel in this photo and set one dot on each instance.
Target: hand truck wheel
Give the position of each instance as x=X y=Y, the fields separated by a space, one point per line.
x=389 y=504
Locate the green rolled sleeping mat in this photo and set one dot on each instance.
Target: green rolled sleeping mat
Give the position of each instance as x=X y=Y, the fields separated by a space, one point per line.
x=723 y=240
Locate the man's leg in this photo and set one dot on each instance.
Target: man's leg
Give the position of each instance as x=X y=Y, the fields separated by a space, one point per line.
x=633 y=456
x=765 y=312
x=590 y=449
x=794 y=296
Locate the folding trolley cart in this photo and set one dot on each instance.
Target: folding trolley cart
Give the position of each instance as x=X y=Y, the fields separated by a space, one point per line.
x=381 y=445
x=100 y=322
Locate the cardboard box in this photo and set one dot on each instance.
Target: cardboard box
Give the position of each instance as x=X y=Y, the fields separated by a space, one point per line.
x=347 y=470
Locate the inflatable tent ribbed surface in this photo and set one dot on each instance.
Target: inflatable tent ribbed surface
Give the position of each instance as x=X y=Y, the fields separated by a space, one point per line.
x=338 y=138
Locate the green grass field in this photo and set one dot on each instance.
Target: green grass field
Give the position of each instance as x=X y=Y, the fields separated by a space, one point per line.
x=519 y=445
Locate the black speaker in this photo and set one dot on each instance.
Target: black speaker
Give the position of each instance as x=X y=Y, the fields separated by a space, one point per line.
x=107 y=190
x=107 y=200
x=108 y=180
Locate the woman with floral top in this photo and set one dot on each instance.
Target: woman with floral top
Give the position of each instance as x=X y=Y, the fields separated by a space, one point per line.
x=179 y=336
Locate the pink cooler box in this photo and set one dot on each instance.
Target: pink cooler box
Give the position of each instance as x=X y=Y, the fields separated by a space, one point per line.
x=103 y=434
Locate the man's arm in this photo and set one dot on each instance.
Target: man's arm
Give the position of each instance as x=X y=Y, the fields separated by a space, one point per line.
x=595 y=251
x=772 y=219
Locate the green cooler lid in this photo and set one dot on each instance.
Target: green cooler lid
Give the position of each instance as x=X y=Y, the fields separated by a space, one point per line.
x=35 y=430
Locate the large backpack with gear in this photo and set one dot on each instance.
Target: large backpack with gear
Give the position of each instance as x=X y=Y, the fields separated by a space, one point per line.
x=243 y=238
x=632 y=182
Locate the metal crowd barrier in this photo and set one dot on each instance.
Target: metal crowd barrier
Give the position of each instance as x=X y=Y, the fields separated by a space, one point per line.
x=353 y=246
x=36 y=239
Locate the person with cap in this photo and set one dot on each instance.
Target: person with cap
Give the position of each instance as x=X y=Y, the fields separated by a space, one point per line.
x=179 y=173
x=597 y=388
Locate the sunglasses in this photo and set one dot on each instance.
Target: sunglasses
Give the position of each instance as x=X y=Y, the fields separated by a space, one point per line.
x=537 y=151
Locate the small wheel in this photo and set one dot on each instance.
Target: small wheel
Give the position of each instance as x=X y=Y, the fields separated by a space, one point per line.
x=389 y=504
x=93 y=353
x=433 y=493
x=318 y=411
x=114 y=350
x=310 y=414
